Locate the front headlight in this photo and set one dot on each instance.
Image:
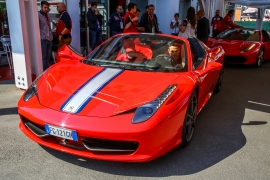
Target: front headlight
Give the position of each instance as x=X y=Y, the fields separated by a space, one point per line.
x=32 y=90
x=247 y=49
x=144 y=112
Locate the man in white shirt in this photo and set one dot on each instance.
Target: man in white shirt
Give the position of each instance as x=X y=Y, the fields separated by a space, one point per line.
x=174 y=24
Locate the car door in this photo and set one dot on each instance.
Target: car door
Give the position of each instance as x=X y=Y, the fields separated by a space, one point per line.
x=207 y=75
x=266 y=42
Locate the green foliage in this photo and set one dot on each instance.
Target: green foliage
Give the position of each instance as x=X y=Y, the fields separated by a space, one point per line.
x=3 y=7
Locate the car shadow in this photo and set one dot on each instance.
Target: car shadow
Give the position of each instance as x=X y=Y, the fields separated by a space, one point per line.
x=8 y=111
x=7 y=81
x=218 y=132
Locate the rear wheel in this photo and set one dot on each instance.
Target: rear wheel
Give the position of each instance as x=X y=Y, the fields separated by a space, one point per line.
x=259 y=58
x=190 y=120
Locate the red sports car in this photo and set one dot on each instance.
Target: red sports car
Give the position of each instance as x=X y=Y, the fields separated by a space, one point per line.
x=134 y=98
x=244 y=46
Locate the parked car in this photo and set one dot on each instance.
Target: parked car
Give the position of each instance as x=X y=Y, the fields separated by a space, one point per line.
x=134 y=98
x=243 y=46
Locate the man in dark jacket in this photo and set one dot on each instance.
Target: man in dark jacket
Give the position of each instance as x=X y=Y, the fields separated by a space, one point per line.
x=203 y=27
x=116 y=21
x=149 y=20
x=94 y=19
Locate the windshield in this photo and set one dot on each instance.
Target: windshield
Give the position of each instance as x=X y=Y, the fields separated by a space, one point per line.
x=240 y=34
x=142 y=52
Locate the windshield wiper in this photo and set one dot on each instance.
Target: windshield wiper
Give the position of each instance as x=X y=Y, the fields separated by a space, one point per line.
x=128 y=67
x=117 y=66
x=88 y=61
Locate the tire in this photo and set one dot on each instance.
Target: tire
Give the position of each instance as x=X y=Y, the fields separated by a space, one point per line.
x=220 y=80
x=190 y=120
x=259 y=58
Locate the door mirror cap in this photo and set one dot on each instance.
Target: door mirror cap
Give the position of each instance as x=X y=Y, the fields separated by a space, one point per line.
x=64 y=54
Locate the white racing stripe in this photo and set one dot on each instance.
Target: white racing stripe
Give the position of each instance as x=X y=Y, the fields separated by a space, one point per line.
x=79 y=100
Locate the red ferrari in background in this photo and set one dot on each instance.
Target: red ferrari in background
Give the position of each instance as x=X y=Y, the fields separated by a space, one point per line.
x=243 y=46
x=134 y=98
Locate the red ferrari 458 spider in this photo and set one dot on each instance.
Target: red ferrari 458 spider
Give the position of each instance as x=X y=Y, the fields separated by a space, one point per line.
x=134 y=98
x=244 y=46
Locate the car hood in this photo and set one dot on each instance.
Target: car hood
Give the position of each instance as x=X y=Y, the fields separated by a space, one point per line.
x=233 y=46
x=101 y=92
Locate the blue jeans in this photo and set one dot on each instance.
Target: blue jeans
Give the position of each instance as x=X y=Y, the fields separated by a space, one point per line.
x=95 y=38
x=46 y=49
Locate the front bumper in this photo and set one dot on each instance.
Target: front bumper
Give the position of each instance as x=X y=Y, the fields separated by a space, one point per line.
x=247 y=58
x=154 y=138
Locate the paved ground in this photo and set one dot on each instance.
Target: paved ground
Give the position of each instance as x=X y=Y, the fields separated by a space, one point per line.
x=232 y=140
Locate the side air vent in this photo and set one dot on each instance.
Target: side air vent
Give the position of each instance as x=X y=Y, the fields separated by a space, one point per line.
x=37 y=130
x=102 y=145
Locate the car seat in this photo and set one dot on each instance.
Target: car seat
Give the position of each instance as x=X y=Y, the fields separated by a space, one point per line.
x=143 y=48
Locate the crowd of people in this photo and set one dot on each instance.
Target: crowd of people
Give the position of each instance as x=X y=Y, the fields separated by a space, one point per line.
x=195 y=24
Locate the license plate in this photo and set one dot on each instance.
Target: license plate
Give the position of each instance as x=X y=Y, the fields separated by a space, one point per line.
x=61 y=132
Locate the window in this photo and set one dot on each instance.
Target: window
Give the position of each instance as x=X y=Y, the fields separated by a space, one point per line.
x=240 y=34
x=142 y=52
x=198 y=52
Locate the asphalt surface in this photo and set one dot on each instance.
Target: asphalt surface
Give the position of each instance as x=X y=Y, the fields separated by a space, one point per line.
x=231 y=141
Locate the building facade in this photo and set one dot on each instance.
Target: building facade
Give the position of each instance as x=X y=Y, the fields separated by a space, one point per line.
x=19 y=19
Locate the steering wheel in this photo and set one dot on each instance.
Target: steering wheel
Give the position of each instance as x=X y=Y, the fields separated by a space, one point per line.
x=163 y=57
x=166 y=62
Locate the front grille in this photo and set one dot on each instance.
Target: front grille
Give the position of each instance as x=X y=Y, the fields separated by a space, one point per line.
x=36 y=129
x=235 y=59
x=86 y=144
x=102 y=145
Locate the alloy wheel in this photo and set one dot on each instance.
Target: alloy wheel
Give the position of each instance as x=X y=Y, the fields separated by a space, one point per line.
x=191 y=118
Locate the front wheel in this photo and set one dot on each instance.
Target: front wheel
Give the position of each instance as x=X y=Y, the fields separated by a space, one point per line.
x=259 y=58
x=190 y=120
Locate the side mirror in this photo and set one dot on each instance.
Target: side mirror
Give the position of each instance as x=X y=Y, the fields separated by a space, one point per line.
x=214 y=65
x=65 y=54
x=200 y=73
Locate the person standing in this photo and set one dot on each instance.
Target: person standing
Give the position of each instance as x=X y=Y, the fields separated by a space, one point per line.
x=174 y=25
x=149 y=20
x=227 y=22
x=139 y=29
x=188 y=26
x=203 y=27
x=116 y=21
x=46 y=35
x=64 y=26
x=138 y=13
x=146 y=8
x=94 y=19
x=215 y=23
x=130 y=20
